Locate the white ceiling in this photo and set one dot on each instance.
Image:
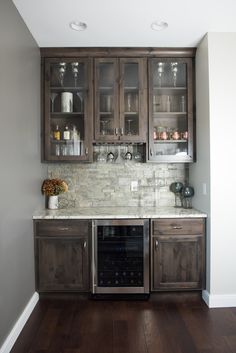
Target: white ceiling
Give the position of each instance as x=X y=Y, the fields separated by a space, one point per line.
x=126 y=22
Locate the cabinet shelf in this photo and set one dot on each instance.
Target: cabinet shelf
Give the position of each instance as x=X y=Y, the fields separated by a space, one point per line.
x=170 y=88
x=131 y=88
x=69 y=88
x=105 y=88
x=62 y=115
x=64 y=141
x=170 y=141
x=156 y=114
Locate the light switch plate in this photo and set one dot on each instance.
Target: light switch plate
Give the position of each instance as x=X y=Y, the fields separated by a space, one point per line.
x=134 y=185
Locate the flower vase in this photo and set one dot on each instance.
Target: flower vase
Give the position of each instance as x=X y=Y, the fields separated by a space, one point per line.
x=53 y=202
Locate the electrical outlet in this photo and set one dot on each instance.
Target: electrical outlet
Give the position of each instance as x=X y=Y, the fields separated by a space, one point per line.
x=134 y=185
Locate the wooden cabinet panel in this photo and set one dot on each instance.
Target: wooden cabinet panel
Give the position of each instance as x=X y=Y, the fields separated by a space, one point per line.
x=62 y=255
x=178 y=226
x=56 y=228
x=178 y=262
x=62 y=264
x=178 y=254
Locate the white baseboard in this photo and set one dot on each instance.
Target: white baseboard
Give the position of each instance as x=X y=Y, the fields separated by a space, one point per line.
x=13 y=335
x=218 y=300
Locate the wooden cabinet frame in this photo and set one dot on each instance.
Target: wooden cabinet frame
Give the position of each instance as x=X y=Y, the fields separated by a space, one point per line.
x=121 y=55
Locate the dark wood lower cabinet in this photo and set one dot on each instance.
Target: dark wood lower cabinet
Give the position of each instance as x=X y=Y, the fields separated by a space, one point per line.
x=62 y=261
x=178 y=254
x=62 y=254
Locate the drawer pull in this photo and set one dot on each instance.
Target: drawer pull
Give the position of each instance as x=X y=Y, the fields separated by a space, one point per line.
x=177 y=227
x=85 y=244
x=63 y=228
x=156 y=244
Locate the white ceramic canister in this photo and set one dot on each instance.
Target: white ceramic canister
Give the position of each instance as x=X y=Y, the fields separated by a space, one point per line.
x=67 y=102
x=53 y=203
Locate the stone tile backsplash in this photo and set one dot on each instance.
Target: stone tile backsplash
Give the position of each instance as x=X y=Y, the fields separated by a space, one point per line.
x=98 y=184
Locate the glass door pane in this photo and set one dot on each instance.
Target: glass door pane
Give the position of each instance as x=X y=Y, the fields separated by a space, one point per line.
x=105 y=104
x=68 y=86
x=169 y=111
x=131 y=99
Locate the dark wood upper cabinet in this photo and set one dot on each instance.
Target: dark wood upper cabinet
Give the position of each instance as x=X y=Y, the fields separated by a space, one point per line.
x=122 y=95
x=120 y=100
x=67 y=109
x=171 y=119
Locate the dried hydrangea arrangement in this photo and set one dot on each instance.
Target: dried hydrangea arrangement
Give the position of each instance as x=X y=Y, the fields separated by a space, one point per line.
x=54 y=187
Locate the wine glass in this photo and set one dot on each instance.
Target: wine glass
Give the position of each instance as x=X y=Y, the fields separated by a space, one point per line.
x=129 y=130
x=104 y=129
x=101 y=157
x=53 y=96
x=62 y=70
x=129 y=102
x=75 y=70
x=174 y=69
x=81 y=98
x=160 y=70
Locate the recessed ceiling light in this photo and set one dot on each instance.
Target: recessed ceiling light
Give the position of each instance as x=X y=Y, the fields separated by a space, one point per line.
x=78 y=26
x=159 y=25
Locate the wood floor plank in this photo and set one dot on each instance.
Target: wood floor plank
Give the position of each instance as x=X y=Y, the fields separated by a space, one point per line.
x=167 y=323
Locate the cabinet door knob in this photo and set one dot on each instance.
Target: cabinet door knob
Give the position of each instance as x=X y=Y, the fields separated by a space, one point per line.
x=85 y=244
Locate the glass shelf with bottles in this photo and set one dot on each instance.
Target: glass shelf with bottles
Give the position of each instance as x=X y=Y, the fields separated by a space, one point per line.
x=66 y=141
x=169 y=105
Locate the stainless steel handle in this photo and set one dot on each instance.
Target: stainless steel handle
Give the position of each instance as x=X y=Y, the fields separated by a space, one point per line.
x=150 y=152
x=116 y=131
x=122 y=131
x=64 y=228
x=156 y=244
x=85 y=244
x=86 y=151
x=177 y=227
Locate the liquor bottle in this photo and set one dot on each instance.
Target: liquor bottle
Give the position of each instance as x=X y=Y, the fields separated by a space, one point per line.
x=57 y=133
x=66 y=133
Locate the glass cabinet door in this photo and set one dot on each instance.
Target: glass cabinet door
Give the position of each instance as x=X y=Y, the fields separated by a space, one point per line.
x=120 y=109
x=170 y=110
x=133 y=117
x=67 y=117
x=106 y=99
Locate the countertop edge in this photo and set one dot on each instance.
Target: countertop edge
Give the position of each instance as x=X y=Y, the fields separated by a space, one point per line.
x=128 y=213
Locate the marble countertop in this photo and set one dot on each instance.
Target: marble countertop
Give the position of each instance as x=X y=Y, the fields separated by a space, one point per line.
x=118 y=213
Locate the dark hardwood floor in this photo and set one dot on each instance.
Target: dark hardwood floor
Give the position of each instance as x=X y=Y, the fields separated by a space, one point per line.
x=167 y=323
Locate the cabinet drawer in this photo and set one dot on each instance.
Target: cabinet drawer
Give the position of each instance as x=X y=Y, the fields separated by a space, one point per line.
x=57 y=228
x=178 y=226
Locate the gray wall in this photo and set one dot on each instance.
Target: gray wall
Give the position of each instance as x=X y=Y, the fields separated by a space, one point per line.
x=200 y=171
x=21 y=172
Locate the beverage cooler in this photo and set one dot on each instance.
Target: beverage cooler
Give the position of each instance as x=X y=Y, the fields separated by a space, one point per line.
x=120 y=261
